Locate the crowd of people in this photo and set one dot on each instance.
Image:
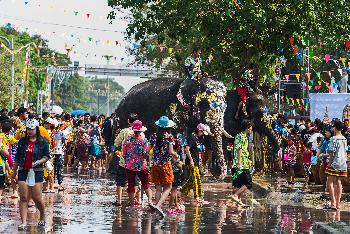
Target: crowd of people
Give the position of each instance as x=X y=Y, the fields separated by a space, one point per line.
x=35 y=149
x=316 y=150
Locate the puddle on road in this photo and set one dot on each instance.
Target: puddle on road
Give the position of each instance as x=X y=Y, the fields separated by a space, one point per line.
x=86 y=206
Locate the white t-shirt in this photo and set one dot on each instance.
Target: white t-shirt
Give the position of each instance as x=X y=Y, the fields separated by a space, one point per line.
x=59 y=137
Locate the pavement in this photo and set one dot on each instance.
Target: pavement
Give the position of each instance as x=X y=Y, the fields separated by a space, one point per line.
x=87 y=206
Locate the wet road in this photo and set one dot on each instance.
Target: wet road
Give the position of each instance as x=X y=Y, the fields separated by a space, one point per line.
x=86 y=207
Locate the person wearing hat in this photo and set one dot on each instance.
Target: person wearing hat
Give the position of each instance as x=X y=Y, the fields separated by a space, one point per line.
x=32 y=153
x=162 y=144
x=194 y=151
x=135 y=155
x=120 y=166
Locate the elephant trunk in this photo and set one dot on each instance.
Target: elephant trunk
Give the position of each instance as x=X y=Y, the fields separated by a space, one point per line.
x=219 y=169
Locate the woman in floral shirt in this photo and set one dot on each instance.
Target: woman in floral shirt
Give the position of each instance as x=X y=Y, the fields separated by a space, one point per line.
x=162 y=144
x=135 y=155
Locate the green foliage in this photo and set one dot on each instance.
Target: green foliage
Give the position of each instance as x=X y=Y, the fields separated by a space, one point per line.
x=36 y=70
x=72 y=93
x=256 y=33
x=98 y=97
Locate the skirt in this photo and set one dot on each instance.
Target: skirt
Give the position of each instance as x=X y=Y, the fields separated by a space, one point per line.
x=338 y=173
x=162 y=175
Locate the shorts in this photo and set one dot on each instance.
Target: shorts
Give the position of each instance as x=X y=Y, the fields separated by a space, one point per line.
x=39 y=176
x=2 y=182
x=120 y=177
x=241 y=178
x=162 y=175
x=307 y=169
x=95 y=150
x=178 y=178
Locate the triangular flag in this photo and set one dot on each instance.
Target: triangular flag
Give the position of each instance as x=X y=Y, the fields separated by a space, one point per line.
x=318 y=74
x=327 y=57
x=26 y=2
x=330 y=89
x=76 y=13
x=297 y=76
x=170 y=50
x=116 y=43
x=291 y=40
x=330 y=73
x=161 y=48
x=136 y=46
x=287 y=77
x=88 y=15
x=302 y=101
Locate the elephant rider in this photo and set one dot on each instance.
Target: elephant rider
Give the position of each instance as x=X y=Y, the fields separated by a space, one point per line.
x=195 y=73
x=242 y=90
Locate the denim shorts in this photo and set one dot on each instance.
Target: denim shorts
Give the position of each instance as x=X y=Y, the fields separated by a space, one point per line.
x=39 y=176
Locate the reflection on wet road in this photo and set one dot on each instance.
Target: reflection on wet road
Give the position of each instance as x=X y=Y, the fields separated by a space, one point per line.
x=86 y=206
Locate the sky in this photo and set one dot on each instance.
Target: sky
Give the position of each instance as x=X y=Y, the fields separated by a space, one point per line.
x=46 y=17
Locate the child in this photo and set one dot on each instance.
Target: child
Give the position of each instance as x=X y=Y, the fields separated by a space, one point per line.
x=175 y=207
x=94 y=132
x=80 y=146
x=291 y=153
x=2 y=172
x=307 y=162
x=9 y=142
x=49 y=125
x=58 y=155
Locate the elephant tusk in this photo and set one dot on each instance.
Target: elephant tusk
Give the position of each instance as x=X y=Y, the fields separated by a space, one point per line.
x=226 y=134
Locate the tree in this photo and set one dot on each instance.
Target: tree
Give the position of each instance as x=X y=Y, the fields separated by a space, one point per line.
x=236 y=33
x=40 y=57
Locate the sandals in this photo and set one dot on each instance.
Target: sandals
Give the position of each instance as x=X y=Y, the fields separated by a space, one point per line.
x=117 y=204
x=22 y=227
x=329 y=207
x=61 y=188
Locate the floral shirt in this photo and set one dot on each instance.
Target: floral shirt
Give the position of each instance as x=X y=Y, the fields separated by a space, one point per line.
x=95 y=134
x=135 y=153
x=193 y=67
x=161 y=153
x=291 y=151
x=241 y=142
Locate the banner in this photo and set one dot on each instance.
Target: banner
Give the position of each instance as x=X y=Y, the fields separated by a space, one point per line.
x=334 y=103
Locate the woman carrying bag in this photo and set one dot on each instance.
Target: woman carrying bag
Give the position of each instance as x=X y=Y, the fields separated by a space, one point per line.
x=33 y=152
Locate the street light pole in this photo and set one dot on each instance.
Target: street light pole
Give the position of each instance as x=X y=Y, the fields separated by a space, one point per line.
x=108 y=58
x=10 y=44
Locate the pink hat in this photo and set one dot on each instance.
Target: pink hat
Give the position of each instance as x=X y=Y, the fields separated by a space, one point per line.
x=137 y=126
x=204 y=128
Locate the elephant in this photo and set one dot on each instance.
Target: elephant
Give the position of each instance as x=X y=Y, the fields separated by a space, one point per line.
x=210 y=103
x=255 y=109
x=157 y=97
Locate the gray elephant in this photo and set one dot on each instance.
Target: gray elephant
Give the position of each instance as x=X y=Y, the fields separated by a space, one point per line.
x=187 y=102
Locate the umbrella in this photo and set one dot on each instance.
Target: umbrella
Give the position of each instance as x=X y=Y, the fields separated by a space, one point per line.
x=78 y=112
x=56 y=110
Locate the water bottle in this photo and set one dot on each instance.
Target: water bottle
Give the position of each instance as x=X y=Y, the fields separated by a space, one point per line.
x=31 y=178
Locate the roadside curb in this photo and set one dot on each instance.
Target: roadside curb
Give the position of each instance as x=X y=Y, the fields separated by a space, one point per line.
x=324 y=228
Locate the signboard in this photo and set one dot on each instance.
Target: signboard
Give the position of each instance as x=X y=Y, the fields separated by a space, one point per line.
x=334 y=103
